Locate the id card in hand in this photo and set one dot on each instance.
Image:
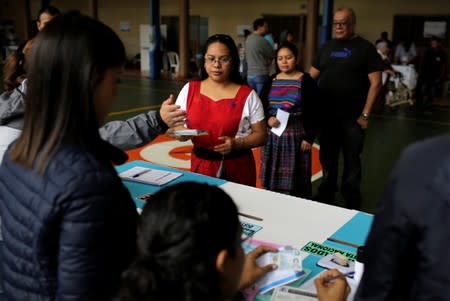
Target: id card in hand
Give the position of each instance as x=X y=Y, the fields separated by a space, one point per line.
x=287 y=258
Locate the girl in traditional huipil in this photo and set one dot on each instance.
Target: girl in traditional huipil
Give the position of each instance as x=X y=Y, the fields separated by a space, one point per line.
x=231 y=112
x=286 y=159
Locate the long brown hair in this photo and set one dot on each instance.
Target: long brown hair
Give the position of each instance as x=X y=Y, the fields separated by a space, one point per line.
x=68 y=58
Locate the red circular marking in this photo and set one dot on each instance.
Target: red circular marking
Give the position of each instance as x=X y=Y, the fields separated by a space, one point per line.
x=181 y=152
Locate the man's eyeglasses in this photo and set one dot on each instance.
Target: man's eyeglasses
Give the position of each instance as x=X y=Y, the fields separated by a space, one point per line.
x=340 y=24
x=223 y=60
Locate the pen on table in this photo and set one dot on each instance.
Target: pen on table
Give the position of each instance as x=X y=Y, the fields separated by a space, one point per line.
x=140 y=173
x=250 y=216
x=342 y=242
x=340 y=276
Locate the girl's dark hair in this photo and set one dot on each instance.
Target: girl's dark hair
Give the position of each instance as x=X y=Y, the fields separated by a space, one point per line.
x=69 y=58
x=51 y=10
x=289 y=46
x=181 y=231
x=226 y=40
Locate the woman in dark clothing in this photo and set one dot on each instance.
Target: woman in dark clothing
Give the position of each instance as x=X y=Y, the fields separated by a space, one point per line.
x=190 y=248
x=69 y=224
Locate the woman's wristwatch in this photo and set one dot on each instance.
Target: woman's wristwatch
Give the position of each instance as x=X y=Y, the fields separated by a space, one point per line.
x=364 y=116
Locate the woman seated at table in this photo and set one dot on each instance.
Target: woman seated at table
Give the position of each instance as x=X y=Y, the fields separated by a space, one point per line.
x=190 y=248
x=231 y=112
x=68 y=223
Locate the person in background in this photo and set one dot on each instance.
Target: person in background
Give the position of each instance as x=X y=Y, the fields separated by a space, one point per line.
x=286 y=159
x=243 y=66
x=384 y=51
x=405 y=53
x=286 y=36
x=231 y=112
x=12 y=104
x=432 y=73
x=269 y=38
x=190 y=248
x=388 y=71
x=384 y=37
x=348 y=69
x=45 y=15
x=259 y=55
x=69 y=224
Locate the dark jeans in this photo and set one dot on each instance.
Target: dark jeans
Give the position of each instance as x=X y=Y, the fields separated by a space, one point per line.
x=426 y=93
x=256 y=82
x=348 y=137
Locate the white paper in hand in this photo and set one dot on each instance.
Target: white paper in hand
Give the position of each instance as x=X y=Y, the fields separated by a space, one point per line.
x=283 y=118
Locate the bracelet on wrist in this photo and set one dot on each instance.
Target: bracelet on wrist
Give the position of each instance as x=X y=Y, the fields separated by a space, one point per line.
x=364 y=116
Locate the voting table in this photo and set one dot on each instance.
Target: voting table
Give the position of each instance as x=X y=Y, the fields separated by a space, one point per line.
x=316 y=228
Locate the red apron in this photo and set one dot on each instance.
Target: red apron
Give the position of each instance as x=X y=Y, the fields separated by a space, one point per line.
x=219 y=118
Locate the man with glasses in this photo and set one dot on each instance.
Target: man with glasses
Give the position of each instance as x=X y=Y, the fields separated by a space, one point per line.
x=259 y=55
x=348 y=69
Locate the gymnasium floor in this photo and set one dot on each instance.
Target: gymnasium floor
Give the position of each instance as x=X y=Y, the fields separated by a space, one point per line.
x=388 y=133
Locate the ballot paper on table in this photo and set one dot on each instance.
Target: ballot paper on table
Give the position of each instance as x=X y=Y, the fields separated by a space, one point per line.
x=289 y=269
x=283 y=118
x=150 y=176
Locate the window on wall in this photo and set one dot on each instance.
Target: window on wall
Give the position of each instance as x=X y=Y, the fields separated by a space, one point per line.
x=412 y=28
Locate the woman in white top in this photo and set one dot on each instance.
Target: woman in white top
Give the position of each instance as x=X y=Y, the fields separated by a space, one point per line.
x=230 y=111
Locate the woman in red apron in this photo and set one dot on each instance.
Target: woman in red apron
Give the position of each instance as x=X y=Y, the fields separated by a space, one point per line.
x=231 y=112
